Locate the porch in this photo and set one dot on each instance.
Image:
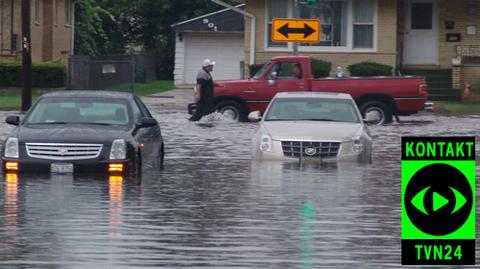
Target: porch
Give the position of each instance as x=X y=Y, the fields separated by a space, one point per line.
x=440 y=39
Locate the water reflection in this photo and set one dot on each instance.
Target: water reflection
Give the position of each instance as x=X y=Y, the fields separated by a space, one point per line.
x=11 y=205
x=212 y=207
x=115 y=194
x=307 y=231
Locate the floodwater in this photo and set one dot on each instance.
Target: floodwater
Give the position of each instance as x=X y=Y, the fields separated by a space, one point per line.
x=212 y=207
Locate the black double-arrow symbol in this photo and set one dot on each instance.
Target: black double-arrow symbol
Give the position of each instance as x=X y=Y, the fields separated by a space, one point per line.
x=286 y=30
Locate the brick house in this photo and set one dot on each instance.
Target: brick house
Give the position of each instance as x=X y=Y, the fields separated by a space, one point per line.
x=51 y=29
x=434 y=35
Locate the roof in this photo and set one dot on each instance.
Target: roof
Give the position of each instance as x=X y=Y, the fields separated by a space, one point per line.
x=88 y=94
x=325 y=95
x=225 y=20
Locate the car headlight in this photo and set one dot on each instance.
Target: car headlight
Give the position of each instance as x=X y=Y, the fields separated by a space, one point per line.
x=266 y=143
x=357 y=144
x=11 y=148
x=118 y=150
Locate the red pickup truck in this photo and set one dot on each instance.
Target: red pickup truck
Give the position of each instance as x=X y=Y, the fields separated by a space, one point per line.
x=382 y=97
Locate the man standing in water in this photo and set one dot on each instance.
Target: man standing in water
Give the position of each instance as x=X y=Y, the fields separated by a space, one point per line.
x=204 y=91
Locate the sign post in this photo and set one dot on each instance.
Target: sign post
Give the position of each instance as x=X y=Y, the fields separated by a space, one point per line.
x=26 y=57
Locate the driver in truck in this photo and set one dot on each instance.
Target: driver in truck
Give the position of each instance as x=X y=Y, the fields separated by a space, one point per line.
x=297 y=71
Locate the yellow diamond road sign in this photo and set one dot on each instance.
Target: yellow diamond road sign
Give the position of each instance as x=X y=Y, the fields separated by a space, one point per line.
x=296 y=30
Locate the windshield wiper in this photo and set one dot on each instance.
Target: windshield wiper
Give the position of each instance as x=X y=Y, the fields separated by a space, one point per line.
x=316 y=120
x=64 y=123
x=48 y=123
x=97 y=123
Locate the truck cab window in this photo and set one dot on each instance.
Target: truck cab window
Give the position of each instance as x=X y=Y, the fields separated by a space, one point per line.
x=286 y=71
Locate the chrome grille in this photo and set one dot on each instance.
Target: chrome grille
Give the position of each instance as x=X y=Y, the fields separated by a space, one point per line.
x=318 y=149
x=63 y=152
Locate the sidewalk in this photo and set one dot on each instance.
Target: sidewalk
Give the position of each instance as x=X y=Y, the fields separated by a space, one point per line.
x=178 y=98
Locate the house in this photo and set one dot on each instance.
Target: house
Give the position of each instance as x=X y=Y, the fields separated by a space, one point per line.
x=218 y=36
x=51 y=30
x=441 y=38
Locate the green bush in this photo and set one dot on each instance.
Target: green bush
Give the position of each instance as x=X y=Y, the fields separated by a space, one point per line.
x=254 y=68
x=367 y=69
x=475 y=88
x=44 y=75
x=320 y=68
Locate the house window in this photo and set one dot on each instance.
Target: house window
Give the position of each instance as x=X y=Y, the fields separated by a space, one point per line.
x=333 y=18
x=68 y=12
x=346 y=24
x=276 y=9
x=363 y=23
x=422 y=16
x=37 y=11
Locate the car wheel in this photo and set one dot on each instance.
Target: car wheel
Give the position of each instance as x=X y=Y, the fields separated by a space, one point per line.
x=378 y=111
x=231 y=110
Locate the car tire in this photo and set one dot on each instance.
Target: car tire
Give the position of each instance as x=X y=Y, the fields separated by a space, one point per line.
x=231 y=110
x=381 y=110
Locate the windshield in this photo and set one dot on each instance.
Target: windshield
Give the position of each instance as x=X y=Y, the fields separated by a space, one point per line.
x=312 y=109
x=261 y=71
x=79 y=111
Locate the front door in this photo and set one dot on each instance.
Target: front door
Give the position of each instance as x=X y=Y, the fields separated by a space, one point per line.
x=421 y=32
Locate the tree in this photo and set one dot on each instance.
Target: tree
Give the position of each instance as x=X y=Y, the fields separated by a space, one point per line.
x=111 y=26
x=90 y=23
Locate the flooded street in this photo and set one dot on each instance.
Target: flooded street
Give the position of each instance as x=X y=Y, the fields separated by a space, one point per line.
x=212 y=207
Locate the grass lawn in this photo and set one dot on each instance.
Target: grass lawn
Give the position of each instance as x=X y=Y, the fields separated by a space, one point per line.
x=152 y=87
x=461 y=108
x=456 y=108
x=12 y=101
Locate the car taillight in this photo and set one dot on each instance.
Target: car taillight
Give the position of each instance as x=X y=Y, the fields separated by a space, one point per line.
x=422 y=88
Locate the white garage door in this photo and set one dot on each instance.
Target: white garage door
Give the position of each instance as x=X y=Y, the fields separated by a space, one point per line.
x=226 y=50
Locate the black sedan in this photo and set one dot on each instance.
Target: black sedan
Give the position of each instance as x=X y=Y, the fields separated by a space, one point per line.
x=83 y=132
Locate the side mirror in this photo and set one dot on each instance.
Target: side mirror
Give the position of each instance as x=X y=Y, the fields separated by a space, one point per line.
x=271 y=79
x=13 y=120
x=255 y=116
x=146 y=123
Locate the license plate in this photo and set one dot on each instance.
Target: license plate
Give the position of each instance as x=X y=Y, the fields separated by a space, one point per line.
x=61 y=168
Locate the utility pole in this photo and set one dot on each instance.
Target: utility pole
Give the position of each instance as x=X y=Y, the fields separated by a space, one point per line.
x=296 y=14
x=26 y=57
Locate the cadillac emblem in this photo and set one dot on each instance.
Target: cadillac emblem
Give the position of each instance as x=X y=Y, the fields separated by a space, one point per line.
x=62 y=151
x=310 y=151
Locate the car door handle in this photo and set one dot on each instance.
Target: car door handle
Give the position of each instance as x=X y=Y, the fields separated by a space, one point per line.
x=249 y=91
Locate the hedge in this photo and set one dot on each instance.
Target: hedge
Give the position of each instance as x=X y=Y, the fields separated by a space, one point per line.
x=320 y=68
x=44 y=75
x=367 y=69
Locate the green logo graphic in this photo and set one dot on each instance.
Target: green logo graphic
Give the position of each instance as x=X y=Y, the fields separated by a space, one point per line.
x=438 y=200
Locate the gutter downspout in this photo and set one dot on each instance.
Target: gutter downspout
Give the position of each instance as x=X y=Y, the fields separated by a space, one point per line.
x=72 y=45
x=253 y=26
